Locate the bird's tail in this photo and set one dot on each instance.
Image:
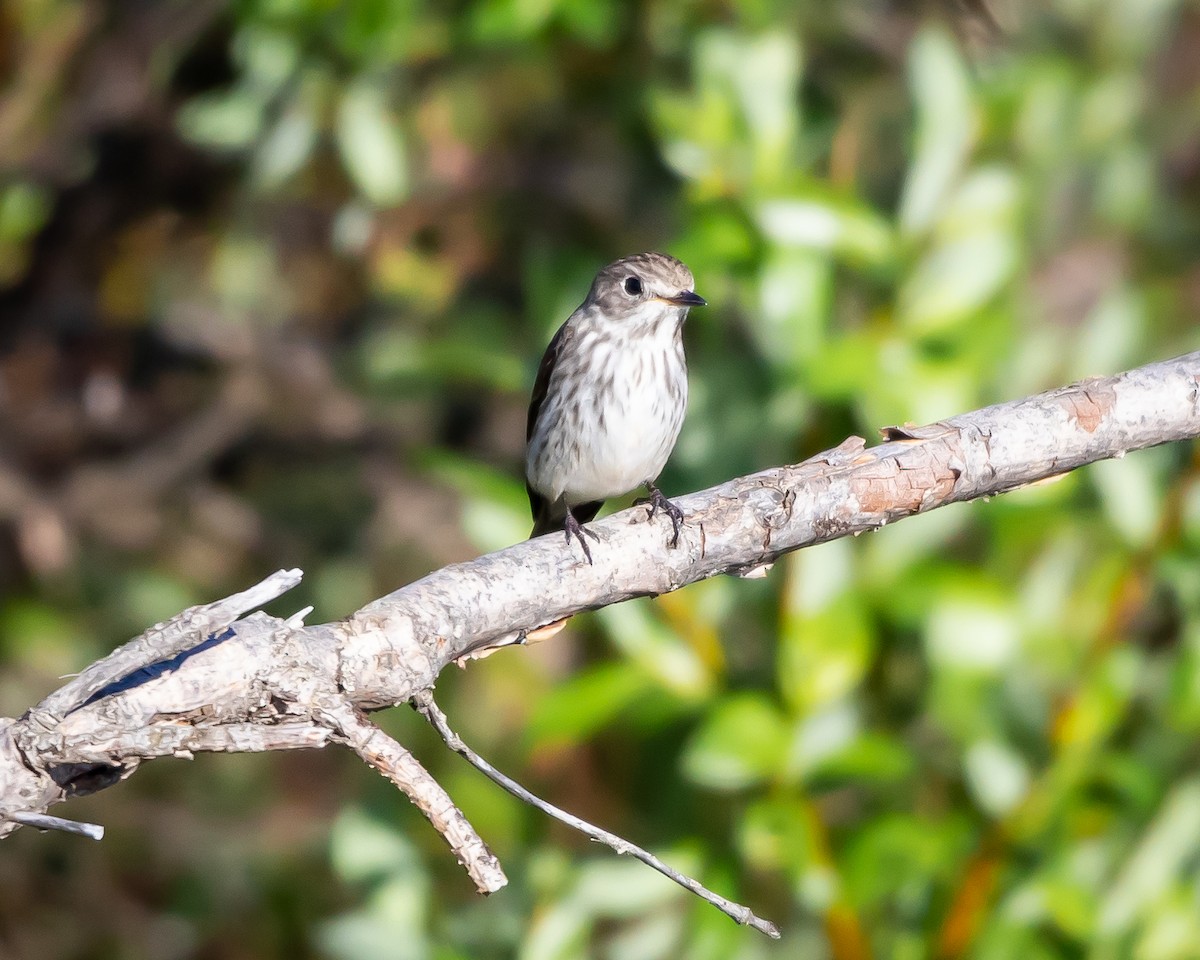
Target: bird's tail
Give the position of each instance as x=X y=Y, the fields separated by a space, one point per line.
x=544 y=523
x=548 y=517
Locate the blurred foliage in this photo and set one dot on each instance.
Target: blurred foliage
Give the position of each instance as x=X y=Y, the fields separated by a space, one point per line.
x=274 y=278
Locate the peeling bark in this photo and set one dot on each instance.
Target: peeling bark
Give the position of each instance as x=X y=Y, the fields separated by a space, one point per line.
x=212 y=679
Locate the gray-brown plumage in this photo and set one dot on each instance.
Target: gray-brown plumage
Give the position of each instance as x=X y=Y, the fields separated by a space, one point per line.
x=610 y=395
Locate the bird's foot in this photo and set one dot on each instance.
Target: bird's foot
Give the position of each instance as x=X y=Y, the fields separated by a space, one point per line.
x=573 y=528
x=659 y=502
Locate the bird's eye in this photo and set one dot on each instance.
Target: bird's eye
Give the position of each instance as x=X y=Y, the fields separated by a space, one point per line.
x=633 y=286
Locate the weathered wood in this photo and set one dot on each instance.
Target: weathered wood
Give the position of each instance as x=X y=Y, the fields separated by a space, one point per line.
x=209 y=681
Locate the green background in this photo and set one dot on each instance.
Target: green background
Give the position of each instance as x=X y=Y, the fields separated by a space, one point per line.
x=274 y=279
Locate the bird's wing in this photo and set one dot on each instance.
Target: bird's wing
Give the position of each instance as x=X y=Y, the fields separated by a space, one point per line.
x=545 y=517
x=541 y=383
x=538 y=505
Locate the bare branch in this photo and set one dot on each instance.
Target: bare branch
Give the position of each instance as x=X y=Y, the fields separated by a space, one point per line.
x=746 y=523
x=405 y=771
x=209 y=681
x=160 y=643
x=743 y=915
x=43 y=821
x=105 y=743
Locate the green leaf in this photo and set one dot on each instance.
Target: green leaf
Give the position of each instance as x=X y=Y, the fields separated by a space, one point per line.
x=946 y=126
x=224 y=121
x=401 y=357
x=286 y=147
x=390 y=926
x=825 y=639
x=495 y=510
x=972 y=627
x=743 y=741
x=612 y=887
x=37 y=634
x=955 y=280
x=658 y=650
x=795 y=295
x=363 y=848
x=1132 y=494
x=975 y=253
x=997 y=776
x=901 y=859
x=372 y=144
x=868 y=758
x=581 y=705
x=24 y=208
x=776 y=834
x=499 y=21
x=835 y=224
x=1170 y=843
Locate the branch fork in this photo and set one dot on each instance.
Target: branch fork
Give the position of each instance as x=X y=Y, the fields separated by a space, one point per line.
x=220 y=677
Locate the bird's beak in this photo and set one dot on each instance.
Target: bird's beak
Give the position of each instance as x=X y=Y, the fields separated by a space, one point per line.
x=686 y=298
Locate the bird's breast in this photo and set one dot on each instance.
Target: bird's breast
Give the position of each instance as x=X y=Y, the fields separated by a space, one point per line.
x=629 y=418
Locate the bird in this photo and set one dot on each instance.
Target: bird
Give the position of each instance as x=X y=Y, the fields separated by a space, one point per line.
x=609 y=398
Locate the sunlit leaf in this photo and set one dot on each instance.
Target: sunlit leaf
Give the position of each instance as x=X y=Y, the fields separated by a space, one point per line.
x=372 y=144
x=363 y=848
x=643 y=638
x=226 y=121
x=974 y=628
x=776 y=834
x=744 y=741
x=286 y=146
x=946 y=125
x=1171 y=841
x=997 y=776
x=581 y=705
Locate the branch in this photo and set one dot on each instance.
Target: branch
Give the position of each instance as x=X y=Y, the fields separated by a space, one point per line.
x=735 y=911
x=42 y=821
x=159 y=644
x=209 y=681
x=403 y=769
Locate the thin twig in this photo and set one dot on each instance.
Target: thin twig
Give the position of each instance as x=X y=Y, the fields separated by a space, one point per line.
x=43 y=821
x=431 y=712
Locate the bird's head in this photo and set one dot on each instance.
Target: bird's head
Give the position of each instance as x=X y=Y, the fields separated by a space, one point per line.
x=647 y=288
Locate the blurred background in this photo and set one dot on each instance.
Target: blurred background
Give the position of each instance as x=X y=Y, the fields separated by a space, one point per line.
x=275 y=276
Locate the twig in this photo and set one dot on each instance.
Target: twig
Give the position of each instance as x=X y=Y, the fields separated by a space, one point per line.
x=743 y=915
x=103 y=742
x=405 y=771
x=43 y=821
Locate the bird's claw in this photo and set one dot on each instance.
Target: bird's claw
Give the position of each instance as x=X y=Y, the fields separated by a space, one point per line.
x=657 y=502
x=573 y=528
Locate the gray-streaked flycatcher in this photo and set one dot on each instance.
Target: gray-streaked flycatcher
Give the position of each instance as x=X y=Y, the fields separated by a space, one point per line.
x=609 y=397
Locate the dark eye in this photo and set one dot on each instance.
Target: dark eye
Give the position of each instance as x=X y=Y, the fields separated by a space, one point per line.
x=633 y=286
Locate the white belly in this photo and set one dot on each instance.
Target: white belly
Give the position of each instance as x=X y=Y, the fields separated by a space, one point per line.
x=610 y=441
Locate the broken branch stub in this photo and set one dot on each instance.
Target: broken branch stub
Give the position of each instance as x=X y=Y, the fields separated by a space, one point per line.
x=222 y=679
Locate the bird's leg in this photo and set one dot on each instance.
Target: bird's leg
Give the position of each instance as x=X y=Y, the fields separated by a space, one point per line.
x=573 y=528
x=658 y=502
